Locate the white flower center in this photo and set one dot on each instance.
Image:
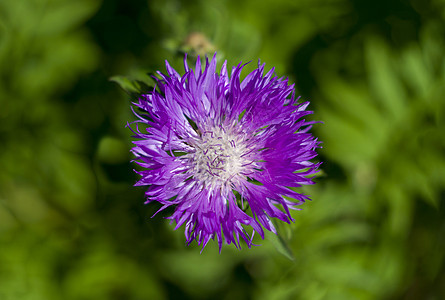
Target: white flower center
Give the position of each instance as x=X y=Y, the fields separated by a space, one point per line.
x=220 y=157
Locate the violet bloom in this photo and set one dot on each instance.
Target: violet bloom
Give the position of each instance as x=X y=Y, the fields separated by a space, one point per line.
x=226 y=154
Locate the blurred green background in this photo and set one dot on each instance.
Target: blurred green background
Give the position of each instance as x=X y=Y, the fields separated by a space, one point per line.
x=72 y=226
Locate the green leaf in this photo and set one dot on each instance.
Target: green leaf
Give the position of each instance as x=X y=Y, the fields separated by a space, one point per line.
x=126 y=84
x=280 y=244
x=134 y=88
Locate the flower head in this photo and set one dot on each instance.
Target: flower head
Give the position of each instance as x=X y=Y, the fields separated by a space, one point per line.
x=226 y=153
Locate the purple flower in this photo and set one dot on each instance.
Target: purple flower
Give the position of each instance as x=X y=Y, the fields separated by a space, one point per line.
x=225 y=153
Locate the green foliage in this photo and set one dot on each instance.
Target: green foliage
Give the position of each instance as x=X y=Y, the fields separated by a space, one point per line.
x=72 y=226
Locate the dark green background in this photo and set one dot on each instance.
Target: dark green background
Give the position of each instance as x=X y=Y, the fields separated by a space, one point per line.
x=72 y=226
